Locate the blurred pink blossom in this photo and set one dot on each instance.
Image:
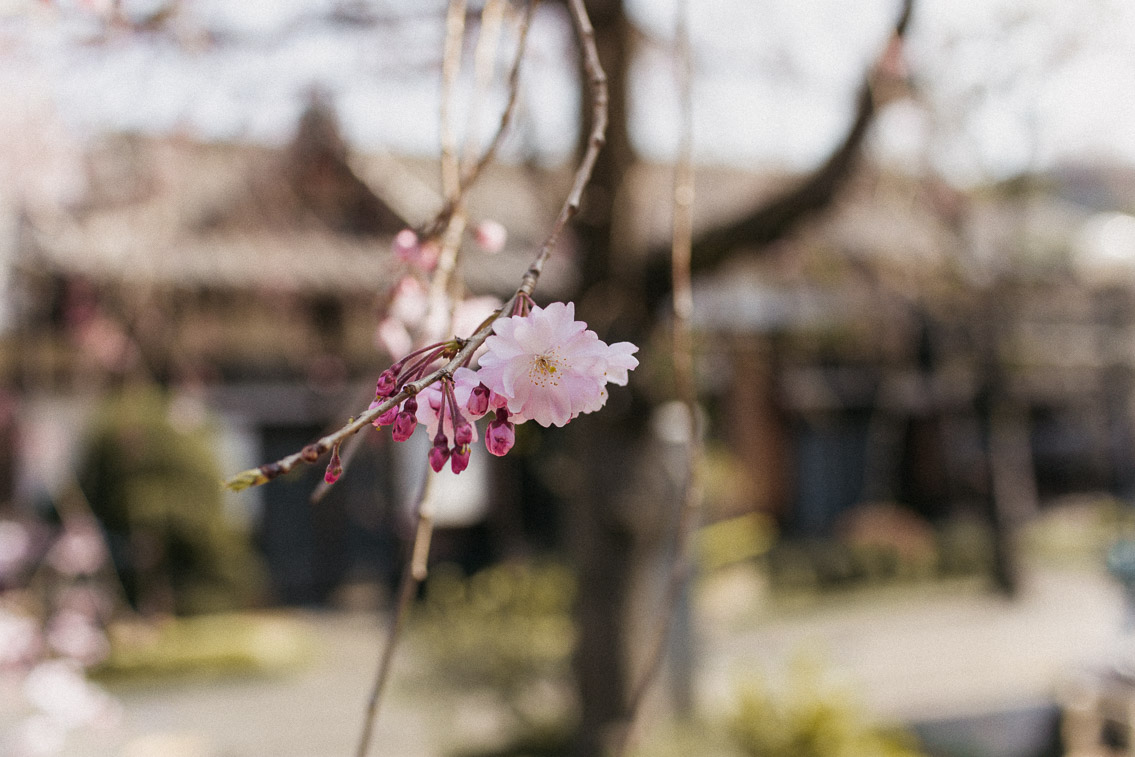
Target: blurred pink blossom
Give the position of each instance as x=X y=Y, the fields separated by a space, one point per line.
x=73 y=634
x=15 y=547
x=79 y=550
x=490 y=235
x=20 y=641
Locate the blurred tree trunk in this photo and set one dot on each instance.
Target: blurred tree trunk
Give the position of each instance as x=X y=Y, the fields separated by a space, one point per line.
x=616 y=505
x=600 y=542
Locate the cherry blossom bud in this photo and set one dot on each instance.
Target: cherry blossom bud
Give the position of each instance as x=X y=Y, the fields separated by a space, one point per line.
x=500 y=435
x=405 y=422
x=334 y=466
x=388 y=415
x=406 y=246
x=387 y=383
x=478 y=403
x=460 y=459
x=463 y=435
x=439 y=453
x=490 y=236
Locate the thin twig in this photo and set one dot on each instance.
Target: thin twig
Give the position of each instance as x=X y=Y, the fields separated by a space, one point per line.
x=685 y=386
x=450 y=68
x=484 y=65
x=472 y=172
x=407 y=590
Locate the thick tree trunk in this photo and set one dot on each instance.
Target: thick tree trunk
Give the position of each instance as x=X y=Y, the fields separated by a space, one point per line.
x=621 y=303
x=601 y=545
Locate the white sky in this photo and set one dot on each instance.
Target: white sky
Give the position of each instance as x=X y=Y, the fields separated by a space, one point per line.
x=1007 y=84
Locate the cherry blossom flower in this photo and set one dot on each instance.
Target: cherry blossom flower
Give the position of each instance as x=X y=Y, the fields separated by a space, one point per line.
x=550 y=367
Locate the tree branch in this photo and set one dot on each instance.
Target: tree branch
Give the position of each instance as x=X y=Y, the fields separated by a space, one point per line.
x=775 y=219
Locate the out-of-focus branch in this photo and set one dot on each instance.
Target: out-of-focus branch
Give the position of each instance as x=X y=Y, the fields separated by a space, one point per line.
x=468 y=175
x=484 y=63
x=776 y=218
x=450 y=67
x=685 y=387
x=471 y=172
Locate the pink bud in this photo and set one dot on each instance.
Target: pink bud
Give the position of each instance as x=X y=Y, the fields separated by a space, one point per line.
x=478 y=403
x=387 y=417
x=490 y=236
x=405 y=422
x=334 y=466
x=460 y=459
x=439 y=453
x=463 y=435
x=501 y=434
x=387 y=383
x=406 y=246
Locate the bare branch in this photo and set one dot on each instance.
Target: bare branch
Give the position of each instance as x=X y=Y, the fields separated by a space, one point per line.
x=471 y=173
x=484 y=64
x=450 y=68
x=773 y=220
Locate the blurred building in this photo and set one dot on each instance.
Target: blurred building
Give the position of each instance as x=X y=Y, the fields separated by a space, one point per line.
x=252 y=280
x=916 y=346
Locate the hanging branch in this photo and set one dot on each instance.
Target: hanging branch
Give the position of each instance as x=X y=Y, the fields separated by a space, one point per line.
x=464 y=347
x=682 y=303
x=598 y=80
x=439 y=317
x=776 y=218
x=417 y=570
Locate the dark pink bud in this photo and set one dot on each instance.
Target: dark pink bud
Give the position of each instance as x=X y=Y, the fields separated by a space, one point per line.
x=405 y=422
x=387 y=383
x=501 y=434
x=478 y=403
x=387 y=417
x=334 y=467
x=463 y=434
x=439 y=453
x=460 y=459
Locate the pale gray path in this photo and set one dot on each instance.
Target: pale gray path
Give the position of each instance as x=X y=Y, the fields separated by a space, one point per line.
x=908 y=654
x=937 y=653
x=312 y=711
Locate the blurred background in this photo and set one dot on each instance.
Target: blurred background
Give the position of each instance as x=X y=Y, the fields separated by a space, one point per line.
x=914 y=259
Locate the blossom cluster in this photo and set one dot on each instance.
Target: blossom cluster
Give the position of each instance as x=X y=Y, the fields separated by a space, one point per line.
x=539 y=364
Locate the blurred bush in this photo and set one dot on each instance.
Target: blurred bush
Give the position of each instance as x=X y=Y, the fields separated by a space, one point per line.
x=506 y=630
x=810 y=717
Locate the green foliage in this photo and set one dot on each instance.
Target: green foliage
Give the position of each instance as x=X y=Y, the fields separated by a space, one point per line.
x=810 y=718
x=506 y=629
x=152 y=483
x=206 y=645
